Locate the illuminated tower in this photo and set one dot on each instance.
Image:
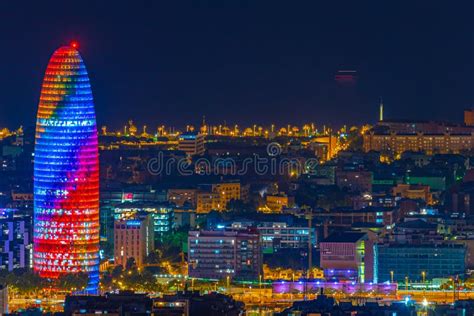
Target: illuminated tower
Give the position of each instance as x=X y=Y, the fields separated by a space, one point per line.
x=66 y=172
x=381 y=110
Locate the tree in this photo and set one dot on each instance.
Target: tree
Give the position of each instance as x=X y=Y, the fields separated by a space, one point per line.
x=72 y=282
x=131 y=264
x=24 y=282
x=117 y=271
x=153 y=258
x=239 y=206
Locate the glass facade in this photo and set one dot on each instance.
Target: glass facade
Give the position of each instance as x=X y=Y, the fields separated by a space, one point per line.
x=435 y=261
x=162 y=215
x=66 y=172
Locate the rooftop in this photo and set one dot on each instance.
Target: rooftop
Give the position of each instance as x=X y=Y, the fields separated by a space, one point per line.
x=345 y=237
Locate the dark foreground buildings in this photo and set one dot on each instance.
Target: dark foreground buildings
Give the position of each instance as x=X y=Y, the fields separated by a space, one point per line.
x=128 y=303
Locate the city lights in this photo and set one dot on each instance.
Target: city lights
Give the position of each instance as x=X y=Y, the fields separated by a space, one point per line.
x=66 y=172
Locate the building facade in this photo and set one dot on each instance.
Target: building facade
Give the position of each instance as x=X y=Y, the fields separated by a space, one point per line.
x=397 y=143
x=111 y=197
x=161 y=215
x=216 y=196
x=277 y=236
x=66 y=172
x=277 y=202
x=133 y=239
x=418 y=262
x=221 y=254
x=347 y=256
x=413 y=192
x=346 y=217
x=191 y=143
x=15 y=240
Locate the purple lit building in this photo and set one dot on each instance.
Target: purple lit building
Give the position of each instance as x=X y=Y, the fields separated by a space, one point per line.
x=348 y=256
x=285 y=287
x=15 y=240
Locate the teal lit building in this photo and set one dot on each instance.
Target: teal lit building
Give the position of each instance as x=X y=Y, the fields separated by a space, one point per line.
x=162 y=215
x=412 y=261
x=111 y=197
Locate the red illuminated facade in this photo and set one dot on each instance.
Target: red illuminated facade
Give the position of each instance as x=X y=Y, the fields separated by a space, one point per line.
x=66 y=172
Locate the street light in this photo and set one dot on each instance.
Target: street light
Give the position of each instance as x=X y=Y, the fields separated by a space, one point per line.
x=391 y=276
x=425 y=302
x=406 y=283
x=423 y=275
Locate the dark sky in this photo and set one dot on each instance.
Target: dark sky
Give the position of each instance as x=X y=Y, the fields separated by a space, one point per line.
x=170 y=62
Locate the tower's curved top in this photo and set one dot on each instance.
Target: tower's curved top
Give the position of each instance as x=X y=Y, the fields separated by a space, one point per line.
x=66 y=84
x=66 y=172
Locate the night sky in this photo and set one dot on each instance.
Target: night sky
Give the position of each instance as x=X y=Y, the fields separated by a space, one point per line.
x=170 y=62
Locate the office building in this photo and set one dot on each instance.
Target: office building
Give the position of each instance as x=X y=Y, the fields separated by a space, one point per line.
x=346 y=217
x=439 y=143
x=133 y=239
x=347 y=256
x=418 y=262
x=15 y=240
x=278 y=236
x=66 y=172
x=191 y=143
x=161 y=214
x=111 y=197
x=221 y=254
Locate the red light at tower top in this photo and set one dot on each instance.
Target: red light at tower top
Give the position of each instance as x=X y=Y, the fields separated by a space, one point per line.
x=74 y=44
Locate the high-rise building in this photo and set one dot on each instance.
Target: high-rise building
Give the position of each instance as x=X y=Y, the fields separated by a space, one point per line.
x=15 y=239
x=66 y=172
x=133 y=239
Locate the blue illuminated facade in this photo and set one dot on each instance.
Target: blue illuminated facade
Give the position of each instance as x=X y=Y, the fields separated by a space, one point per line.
x=66 y=172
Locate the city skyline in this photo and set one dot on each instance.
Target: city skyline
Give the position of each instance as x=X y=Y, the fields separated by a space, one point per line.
x=236 y=158
x=282 y=67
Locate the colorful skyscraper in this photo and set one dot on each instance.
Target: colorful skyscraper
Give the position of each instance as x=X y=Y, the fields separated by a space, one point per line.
x=66 y=172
